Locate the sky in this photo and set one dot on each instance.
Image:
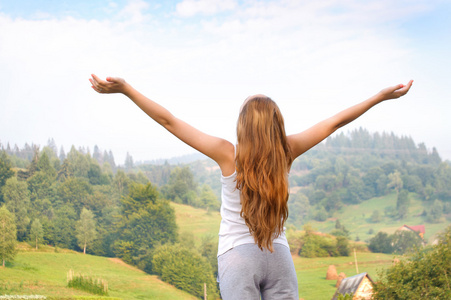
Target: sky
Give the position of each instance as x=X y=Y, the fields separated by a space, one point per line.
x=201 y=58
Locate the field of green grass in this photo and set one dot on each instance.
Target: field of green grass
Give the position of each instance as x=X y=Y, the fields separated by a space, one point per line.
x=45 y=273
x=198 y=222
x=311 y=272
x=356 y=218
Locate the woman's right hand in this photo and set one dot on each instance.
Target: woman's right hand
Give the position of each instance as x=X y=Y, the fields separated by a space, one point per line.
x=109 y=86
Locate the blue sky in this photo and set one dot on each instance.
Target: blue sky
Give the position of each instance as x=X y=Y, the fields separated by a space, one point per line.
x=202 y=58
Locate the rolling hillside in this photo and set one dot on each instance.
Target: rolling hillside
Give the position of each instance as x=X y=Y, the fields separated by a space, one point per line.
x=44 y=273
x=356 y=219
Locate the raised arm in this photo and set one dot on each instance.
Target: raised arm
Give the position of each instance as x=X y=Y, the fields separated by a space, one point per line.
x=305 y=140
x=216 y=148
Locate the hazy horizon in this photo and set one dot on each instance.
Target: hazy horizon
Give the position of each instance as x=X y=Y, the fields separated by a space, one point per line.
x=189 y=156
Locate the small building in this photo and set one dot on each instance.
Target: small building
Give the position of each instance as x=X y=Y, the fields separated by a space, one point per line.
x=360 y=286
x=419 y=229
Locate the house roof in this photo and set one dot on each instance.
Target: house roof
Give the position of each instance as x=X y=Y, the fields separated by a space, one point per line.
x=417 y=228
x=350 y=285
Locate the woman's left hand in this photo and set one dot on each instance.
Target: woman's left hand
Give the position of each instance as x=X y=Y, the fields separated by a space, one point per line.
x=396 y=91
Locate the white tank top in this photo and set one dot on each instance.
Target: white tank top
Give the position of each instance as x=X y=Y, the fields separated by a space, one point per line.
x=233 y=230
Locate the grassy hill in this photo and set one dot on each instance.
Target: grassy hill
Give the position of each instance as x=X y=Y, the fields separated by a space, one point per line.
x=45 y=273
x=198 y=222
x=356 y=218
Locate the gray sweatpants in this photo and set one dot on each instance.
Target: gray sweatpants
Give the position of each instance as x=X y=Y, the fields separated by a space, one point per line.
x=246 y=272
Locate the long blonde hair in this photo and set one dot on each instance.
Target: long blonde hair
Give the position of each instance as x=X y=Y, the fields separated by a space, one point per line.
x=262 y=160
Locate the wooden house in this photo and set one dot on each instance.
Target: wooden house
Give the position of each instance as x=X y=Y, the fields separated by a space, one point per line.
x=360 y=286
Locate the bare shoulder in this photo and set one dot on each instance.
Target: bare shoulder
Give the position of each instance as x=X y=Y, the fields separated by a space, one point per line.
x=296 y=143
x=226 y=161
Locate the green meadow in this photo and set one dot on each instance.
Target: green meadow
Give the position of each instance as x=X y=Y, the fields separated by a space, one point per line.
x=196 y=222
x=44 y=272
x=311 y=272
x=356 y=218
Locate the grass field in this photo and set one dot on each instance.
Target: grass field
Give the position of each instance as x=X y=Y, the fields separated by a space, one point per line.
x=44 y=273
x=356 y=218
x=311 y=272
x=198 y=222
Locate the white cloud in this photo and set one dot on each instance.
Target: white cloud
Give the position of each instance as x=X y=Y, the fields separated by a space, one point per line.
x=189 y=8
x=134 y=11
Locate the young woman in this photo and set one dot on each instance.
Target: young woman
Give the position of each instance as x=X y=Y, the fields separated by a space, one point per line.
x=253 y=255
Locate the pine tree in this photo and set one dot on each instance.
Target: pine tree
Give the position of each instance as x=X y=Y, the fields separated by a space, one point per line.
x=52 y=145
x=128 y=162
x=97 y=155
x=5 y=171
x=62 y=155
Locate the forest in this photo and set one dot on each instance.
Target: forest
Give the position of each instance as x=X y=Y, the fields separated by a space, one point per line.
x=349 y=169
x=86 y=202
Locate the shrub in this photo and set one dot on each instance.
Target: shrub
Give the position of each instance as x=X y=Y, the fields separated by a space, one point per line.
x=86 y=283
x=423 y=275
x=295 y=240
x=405 y=241
x=401 y=242
x=342 y=246
x=316 y=245
x=375 y=217
x=321 y=214
x=185 y=269
x=381 y=243
x=345 y=296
